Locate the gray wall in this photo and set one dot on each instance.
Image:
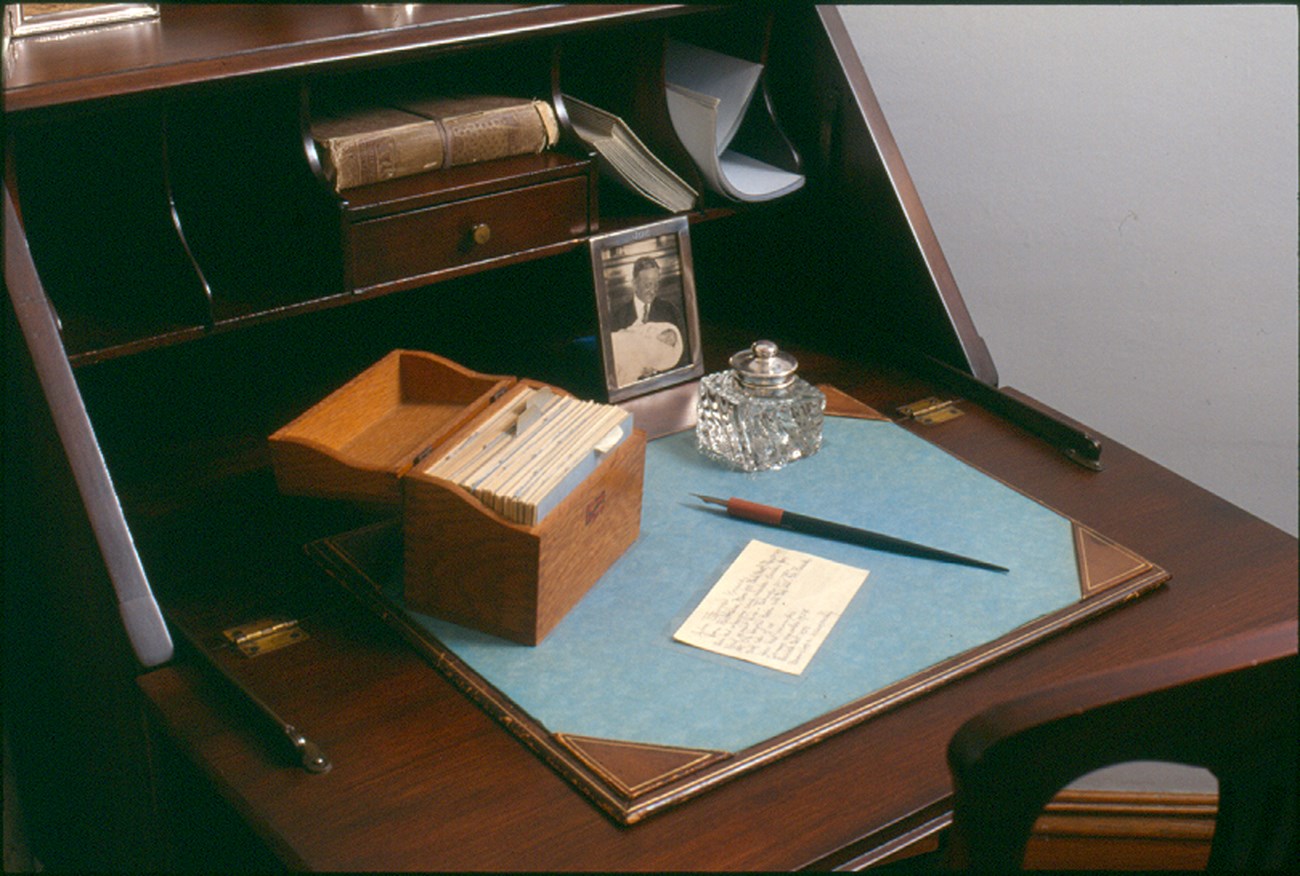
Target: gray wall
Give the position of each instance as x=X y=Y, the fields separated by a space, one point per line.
x=1115 y=190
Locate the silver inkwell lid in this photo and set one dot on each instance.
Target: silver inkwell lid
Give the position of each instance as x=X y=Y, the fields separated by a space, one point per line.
x=763 y=367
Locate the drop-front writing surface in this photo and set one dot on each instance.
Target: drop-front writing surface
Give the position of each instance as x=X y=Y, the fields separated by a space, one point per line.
x=648 y=721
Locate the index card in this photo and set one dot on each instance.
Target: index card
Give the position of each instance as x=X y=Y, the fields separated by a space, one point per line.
x=773 y=607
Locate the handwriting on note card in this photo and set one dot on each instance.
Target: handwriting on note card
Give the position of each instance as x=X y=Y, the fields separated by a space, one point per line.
x=773 y=607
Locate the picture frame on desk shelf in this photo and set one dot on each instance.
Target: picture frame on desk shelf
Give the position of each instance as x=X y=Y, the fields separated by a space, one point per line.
x=31 y=19
x=645 y=300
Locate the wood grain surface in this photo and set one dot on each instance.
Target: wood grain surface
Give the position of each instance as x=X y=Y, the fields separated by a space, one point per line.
x=198 y=273
x=425 y=780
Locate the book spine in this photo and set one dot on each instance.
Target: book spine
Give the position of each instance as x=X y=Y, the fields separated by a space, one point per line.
x=522 y=129
x=361 y=159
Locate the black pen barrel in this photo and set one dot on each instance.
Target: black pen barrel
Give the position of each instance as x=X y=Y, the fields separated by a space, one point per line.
x=877 y=540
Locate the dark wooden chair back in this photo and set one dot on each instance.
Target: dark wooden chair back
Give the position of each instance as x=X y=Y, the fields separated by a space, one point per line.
x=1229 y=706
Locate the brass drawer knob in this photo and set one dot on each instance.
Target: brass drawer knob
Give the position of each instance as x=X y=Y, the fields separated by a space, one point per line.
x=480 y=234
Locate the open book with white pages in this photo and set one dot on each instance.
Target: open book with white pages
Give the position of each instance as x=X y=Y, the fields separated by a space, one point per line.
x=626 y=158
x=708 y=95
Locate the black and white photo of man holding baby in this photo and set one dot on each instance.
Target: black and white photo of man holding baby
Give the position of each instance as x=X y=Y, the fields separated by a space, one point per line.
x=647 y=325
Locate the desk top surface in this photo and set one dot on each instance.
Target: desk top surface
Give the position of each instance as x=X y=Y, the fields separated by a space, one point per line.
x=423 y=779
x=191 y=44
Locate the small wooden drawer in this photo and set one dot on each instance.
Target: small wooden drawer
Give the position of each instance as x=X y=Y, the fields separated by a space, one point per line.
x=411 y=247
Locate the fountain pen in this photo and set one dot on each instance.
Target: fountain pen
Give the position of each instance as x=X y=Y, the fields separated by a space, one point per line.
x=782 y=519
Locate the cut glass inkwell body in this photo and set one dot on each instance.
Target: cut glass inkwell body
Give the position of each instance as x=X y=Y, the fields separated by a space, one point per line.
x=759 y=415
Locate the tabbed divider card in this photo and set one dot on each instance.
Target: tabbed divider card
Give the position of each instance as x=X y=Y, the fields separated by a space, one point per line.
x=523 y=460
x=466 y=455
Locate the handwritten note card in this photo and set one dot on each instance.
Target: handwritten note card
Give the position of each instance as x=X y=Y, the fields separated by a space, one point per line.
x=773 y=607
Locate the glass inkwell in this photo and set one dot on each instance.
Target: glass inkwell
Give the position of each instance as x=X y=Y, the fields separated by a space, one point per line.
x=759 y=415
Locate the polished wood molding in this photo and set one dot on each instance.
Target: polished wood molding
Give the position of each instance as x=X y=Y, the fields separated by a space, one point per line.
x=200 y=44
x=1086 y=829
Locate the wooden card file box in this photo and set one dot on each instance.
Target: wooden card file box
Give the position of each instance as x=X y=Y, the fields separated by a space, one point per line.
x=463 y=561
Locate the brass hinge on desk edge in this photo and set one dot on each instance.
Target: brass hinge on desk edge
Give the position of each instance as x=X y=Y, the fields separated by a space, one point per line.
x=309 y=754
x=931 y=411
x=1073 y=441
x=264 y=636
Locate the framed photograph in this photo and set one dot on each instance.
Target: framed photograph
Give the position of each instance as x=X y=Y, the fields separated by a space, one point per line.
x=26 y=19
x=645 y=299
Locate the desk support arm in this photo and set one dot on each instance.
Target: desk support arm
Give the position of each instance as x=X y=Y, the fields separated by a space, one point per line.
x=140 y=614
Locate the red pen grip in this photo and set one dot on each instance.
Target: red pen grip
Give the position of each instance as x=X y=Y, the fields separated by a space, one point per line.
x=754 y=511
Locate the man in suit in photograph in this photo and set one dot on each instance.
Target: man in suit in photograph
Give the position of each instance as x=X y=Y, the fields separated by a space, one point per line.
x=648 y=333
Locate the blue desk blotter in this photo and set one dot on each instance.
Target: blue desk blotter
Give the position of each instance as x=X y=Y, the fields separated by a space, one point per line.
x=651 y=721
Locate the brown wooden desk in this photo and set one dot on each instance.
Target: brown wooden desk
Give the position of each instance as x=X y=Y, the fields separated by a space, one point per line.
x=184 y=275
x=424 y=780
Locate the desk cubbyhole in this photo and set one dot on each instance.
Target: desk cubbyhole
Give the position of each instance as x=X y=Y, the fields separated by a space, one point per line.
x=94 y=200
x=628 y=78
x=742 y=32
x=747 y=34
x=416 y=228
x=184 y=428
x=256 y=218
x=624 y=76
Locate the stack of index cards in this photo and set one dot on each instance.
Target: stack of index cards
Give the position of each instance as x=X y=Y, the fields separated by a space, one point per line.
x=522 y=461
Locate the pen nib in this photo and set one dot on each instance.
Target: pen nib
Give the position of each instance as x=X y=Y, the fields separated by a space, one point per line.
x=712 y=500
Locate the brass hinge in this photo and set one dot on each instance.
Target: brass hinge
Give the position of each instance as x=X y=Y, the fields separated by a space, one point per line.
x=263 y=636
x=931 y=410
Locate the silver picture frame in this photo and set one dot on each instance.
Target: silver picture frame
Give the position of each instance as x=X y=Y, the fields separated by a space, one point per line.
x=646 y=307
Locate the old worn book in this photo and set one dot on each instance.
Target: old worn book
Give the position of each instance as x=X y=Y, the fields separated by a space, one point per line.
x=372 y=144
x=378 y=143
x=485 y=127
x=624 y=157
